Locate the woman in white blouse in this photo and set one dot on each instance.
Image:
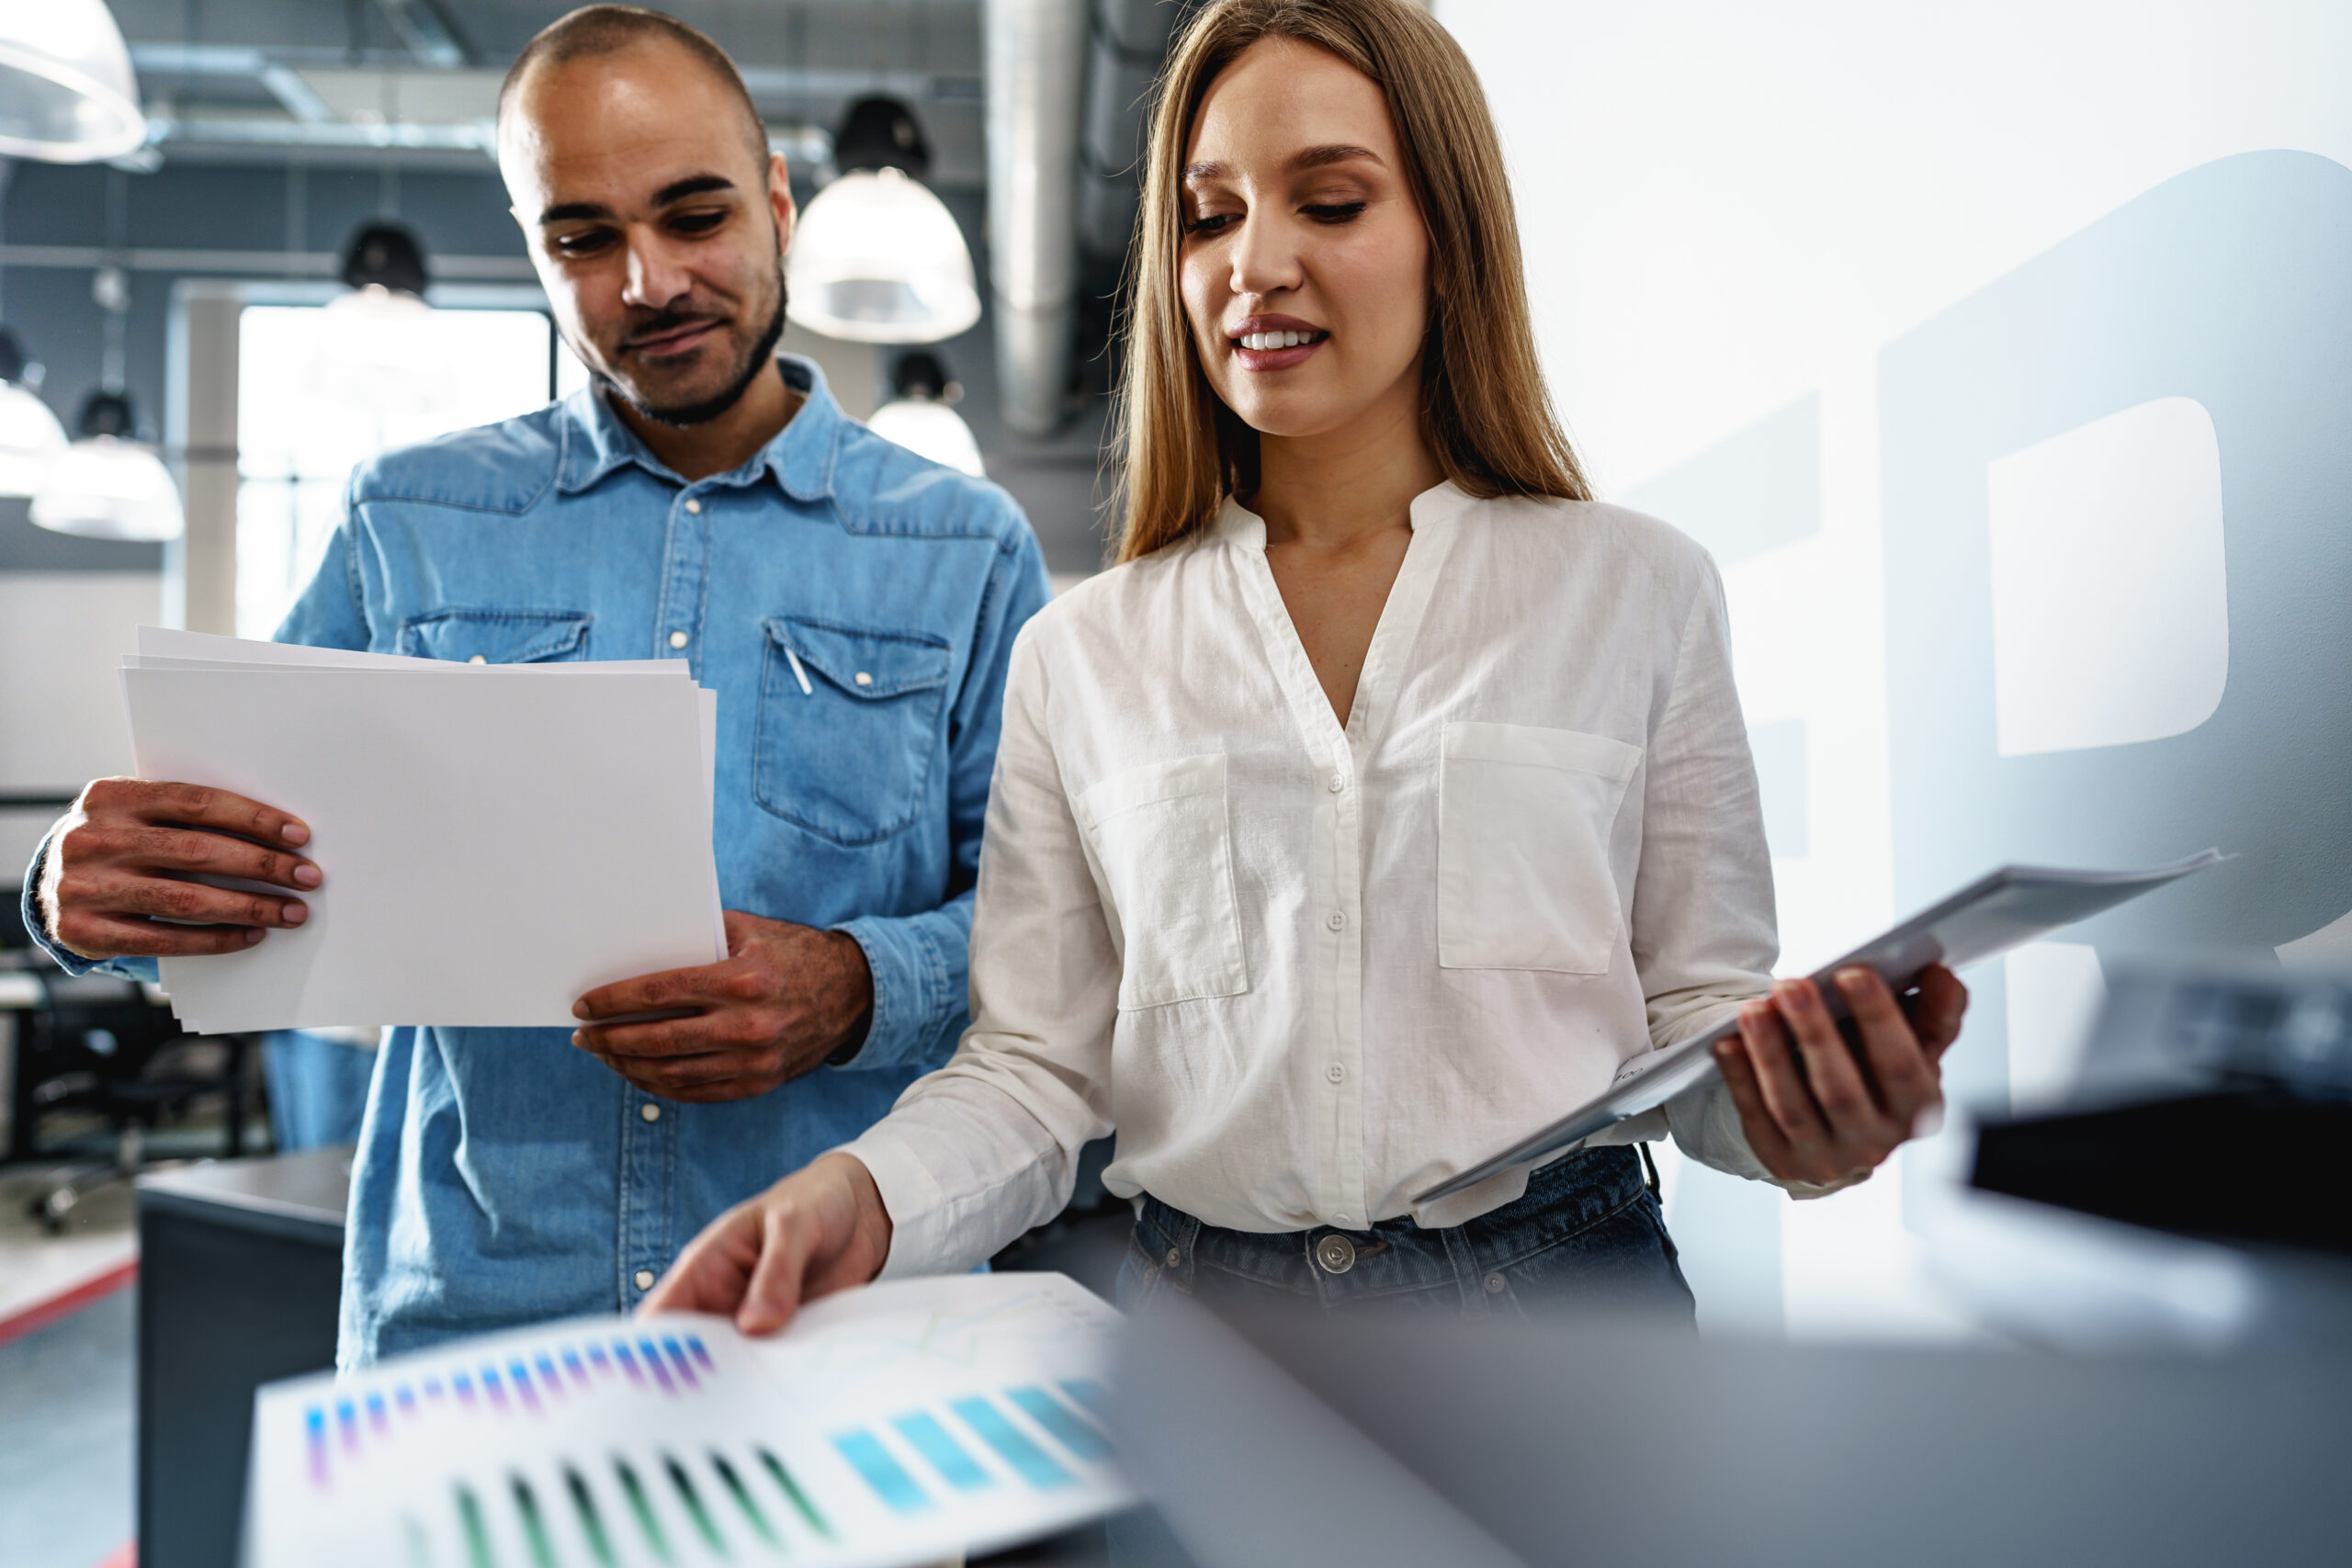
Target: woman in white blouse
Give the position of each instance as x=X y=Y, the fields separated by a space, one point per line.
x=1385 y=799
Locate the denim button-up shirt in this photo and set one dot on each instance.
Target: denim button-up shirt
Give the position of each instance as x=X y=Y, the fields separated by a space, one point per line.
x=853 y=606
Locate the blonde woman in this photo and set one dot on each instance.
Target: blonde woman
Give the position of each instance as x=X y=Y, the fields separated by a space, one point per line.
x=1385 y=797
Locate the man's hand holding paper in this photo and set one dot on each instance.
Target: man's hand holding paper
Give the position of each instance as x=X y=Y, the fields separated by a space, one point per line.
x=120 y=883
x=785 y=998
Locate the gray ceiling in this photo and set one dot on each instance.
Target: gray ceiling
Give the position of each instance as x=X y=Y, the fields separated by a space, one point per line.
x=237 y=78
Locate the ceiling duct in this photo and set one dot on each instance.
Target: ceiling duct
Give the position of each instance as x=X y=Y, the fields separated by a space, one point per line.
x=1036 y=79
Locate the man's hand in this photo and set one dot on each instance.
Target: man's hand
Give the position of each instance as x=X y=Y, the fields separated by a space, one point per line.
x=786 y=997
x=120 y=862
x=819 y=1230
x=1812 y=1112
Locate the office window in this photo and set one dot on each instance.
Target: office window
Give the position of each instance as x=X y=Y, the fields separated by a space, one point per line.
x=312 y=401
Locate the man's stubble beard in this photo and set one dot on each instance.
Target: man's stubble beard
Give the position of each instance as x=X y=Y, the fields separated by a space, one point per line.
x=682 y=416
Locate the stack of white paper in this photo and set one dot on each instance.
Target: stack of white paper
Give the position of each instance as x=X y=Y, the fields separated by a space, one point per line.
x=899 y=1424
x=496 y=839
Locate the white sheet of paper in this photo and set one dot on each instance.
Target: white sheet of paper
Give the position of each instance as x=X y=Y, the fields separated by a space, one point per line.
x=493 y=848
x=167 y=642
x=894 y=1425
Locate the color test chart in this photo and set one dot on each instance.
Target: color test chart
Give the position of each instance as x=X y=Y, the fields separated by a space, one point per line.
x=897 y=1424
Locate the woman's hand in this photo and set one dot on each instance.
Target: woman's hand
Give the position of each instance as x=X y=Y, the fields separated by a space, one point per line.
x=1816 y=1114
x=822 y=1229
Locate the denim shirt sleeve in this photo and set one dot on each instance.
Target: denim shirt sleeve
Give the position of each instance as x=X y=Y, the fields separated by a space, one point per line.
x=921 y=963
x=329 y=615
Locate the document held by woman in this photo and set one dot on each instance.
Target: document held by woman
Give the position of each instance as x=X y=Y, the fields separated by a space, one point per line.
x=2001 y=910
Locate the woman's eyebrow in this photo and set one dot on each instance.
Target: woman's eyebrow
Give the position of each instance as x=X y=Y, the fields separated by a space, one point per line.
x=1305 y=158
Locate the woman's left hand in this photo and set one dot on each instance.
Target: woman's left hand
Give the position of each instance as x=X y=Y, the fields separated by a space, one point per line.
x=1812 y=1112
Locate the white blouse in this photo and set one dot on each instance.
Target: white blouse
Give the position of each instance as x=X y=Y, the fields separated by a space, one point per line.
x=1309 y=970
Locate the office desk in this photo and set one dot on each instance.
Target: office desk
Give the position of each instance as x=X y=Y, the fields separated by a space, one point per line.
x=241 y=1268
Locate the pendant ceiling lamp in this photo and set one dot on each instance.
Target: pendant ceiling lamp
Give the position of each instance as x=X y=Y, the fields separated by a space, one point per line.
x=917 y=416
x=369 y=353
x=106 y=485
x=876 y=257
x=67 y=94
x=30 y=437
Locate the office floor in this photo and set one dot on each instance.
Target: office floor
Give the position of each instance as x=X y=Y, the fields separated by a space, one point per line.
x=68 y=1385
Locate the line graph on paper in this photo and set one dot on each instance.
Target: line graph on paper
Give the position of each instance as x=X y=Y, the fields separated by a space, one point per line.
x=894 y=1425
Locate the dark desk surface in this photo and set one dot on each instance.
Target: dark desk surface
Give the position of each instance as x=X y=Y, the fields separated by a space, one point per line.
x=303 y=1194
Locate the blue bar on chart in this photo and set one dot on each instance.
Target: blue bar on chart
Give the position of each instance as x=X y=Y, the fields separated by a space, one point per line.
x=882 y=1472
x=945 y=1455
x=1059 y=1419
x=1035 y=1465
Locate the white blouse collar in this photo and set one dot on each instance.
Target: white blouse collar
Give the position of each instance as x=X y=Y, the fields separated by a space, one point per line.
x=1237 y=524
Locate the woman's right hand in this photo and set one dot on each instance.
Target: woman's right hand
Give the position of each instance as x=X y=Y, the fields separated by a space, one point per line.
x=822 y=1229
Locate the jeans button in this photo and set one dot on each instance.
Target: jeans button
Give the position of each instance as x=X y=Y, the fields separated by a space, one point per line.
x=1175 y=1258
x=1336 y=1253
x=1494 y=1284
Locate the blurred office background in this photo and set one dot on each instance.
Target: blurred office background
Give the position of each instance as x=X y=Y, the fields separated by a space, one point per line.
x=1997 y=353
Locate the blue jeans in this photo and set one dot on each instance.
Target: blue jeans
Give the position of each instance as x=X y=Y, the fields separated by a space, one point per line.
x=1587 y=1233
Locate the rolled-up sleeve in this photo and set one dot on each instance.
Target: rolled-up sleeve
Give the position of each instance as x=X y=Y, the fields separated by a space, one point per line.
x=1705 y=932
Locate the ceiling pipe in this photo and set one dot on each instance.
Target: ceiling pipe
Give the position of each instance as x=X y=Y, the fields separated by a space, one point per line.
x=1036 y=79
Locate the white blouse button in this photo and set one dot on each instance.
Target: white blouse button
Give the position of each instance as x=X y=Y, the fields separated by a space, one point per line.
x=678 y=640
x=1335 y=1072
x=1336 y=921
x=1338 y=782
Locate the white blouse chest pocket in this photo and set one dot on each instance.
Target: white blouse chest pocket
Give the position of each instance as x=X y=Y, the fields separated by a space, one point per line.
x=1524 y=820
x=1166 y=859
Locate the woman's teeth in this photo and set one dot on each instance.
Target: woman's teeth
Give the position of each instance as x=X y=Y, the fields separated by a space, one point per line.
x=1262 y=341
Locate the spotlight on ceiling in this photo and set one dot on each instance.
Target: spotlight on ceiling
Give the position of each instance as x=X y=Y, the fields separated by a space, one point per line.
x=917 y=416
x=876 y=257
x=30 y=437
x=67 y=94
x=106 y=485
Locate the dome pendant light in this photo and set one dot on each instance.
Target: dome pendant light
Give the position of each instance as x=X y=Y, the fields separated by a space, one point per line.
x=876 y=257
x=917 y=416
x=369 y=355
x=108 y=486
x=67 y=94
x=30 y=437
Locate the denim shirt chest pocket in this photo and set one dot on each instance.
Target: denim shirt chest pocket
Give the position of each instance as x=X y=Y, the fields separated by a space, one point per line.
x=849 y=726
x=477 y=636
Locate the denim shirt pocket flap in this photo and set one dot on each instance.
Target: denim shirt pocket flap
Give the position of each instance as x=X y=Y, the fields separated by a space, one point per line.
x=873 y=665
x=496 y=636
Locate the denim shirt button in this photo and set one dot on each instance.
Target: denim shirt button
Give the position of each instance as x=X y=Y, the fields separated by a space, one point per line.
x=650 y=1112
x=645 y=1279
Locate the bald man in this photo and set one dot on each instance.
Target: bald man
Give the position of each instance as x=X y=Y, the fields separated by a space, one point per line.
x=706 y=500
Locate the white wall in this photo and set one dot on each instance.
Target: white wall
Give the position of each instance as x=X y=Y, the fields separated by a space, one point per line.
x=62 y=634
x=1779 y=254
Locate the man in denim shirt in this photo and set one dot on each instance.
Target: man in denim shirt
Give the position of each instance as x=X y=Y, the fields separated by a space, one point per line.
x=853 y=604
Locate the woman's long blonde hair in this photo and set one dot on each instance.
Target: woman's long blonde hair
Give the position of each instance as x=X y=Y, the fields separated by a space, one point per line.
x=1484 y=412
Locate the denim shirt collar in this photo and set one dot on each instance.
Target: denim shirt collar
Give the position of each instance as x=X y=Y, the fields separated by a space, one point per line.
x=595 y=441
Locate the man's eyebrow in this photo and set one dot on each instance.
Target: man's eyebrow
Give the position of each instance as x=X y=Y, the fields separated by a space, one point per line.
x=1308 y=158
x=692 y=185
x=677 y=190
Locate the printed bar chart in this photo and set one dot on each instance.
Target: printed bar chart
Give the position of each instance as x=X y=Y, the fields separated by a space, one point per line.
x=896 y=1425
